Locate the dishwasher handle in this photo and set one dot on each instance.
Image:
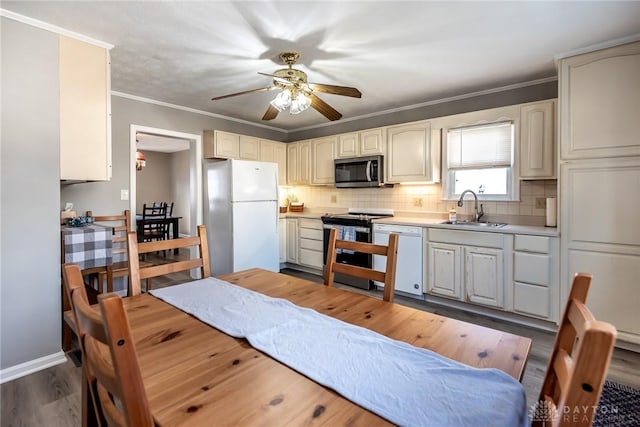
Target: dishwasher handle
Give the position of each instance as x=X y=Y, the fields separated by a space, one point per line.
x=398 y=229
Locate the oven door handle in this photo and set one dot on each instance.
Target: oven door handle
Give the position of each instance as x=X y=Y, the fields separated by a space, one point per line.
x=368 y=170
x=364 y=230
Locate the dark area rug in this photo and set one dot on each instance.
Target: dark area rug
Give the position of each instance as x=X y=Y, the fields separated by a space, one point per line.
x=619 y=406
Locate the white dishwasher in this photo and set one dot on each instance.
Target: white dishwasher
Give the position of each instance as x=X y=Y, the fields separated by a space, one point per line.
x=409 y=276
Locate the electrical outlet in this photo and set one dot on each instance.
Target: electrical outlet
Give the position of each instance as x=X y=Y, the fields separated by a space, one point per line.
x=541 y=203
x=417 y=201
x=334 y=198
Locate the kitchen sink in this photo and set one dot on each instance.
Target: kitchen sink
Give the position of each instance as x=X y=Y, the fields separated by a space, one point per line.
x=476 y=224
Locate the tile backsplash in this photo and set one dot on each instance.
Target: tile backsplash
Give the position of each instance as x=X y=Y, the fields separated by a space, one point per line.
x=426 y=200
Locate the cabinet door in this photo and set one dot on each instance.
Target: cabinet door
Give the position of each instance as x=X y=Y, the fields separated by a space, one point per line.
x=282 y=234
x=348 y=145
x=537 y=131
x=292 y=240
x=280 y=151
x=226 y=145
x=323 y=155
x=85 y=116
x=249 y=148
x=409 y=153
x=444 y=270
x=304 y=162
x=293 y=164
x=372 y=142
x=600 y=100
x=483 y=279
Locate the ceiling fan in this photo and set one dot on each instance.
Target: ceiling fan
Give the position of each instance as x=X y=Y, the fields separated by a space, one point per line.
x=297 y=94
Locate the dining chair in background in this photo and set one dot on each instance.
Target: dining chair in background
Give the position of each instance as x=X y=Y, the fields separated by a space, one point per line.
x=110 y=356
x=97 y=276
x=388 y=277
x=73 y=283
x=138 y=272
x=121 y=225
x=578 y=365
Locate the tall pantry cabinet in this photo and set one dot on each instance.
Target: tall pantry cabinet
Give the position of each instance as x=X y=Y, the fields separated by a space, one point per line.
x=599 y=117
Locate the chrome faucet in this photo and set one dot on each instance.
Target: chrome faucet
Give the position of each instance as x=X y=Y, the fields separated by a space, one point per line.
x=478 y=214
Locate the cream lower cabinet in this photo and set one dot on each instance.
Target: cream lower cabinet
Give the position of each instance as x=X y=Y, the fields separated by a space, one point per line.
x=444 y=270
x=85 y=111
x=310 y=242
x=282 y=240
x=535 y=276
x=467 y=266
x=292 y=240
x=413 y=153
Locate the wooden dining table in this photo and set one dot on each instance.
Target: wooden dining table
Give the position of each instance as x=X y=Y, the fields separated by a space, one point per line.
x=195 y=375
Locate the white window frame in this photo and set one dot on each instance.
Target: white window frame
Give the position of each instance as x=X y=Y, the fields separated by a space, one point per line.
x=513 y=184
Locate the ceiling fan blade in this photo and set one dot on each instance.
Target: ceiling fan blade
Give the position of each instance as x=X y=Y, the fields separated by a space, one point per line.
x=277 y=78
x=262 y=89
x=336 y=90
x=323 y=108
x=271 y=113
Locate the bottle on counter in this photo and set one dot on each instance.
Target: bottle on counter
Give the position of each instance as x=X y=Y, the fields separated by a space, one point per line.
x=452 y=215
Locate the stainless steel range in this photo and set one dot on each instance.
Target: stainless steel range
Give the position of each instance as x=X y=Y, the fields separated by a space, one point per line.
x=356 y=225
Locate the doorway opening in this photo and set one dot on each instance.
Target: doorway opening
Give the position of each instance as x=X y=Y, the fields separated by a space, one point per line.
x=172 y=173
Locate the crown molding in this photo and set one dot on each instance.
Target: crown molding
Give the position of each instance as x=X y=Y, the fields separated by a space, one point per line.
x=598 y=46
x=53 y=28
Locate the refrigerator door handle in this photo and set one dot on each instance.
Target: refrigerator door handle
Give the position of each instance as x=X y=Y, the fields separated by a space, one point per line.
x=277 y=199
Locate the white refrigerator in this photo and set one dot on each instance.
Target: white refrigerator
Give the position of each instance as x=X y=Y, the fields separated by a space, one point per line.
x=241 y=215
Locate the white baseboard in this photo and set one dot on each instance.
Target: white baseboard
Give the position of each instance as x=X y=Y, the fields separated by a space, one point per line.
x=35 y=365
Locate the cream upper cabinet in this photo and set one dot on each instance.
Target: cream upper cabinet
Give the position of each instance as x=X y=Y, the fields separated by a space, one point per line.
x=537 y=137
x=275 y=152
x=323 y=155
x=413 y=153
x=366 y=143
x=600 y=103
x=249 y=148
x=221 y=145
x=85 y=111
x=299 y=163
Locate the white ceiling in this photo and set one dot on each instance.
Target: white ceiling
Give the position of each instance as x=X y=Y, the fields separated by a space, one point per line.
x=397 y=53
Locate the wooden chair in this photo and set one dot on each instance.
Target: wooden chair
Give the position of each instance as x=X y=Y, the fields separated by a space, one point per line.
x=121 y=226
x=154 y=226
x=73 y=283
x=388 y=277
x=138 y=272
x=110 y=356
x=578 y=364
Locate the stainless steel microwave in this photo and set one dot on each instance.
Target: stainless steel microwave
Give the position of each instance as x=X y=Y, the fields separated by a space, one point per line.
x=359 y=172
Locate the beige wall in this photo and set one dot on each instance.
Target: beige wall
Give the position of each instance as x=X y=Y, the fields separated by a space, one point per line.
x=154 y=181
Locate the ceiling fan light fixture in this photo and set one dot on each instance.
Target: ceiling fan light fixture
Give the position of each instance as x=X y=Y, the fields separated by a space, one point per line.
x=282 y=101
x=300 y=103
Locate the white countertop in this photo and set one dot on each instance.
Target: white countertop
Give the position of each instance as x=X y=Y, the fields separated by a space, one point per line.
x=437 y=223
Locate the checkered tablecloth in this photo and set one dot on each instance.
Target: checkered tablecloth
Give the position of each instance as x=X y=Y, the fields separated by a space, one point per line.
x=88 y=246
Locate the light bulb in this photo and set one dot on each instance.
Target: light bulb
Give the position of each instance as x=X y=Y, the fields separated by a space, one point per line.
x=282 y=101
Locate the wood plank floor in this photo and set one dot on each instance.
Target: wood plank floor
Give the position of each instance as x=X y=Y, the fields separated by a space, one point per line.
x=52 y=397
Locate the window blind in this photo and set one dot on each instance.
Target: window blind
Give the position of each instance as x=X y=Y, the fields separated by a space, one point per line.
x=480 y=146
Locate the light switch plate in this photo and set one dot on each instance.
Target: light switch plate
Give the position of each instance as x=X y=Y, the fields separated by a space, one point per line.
x=124 y=194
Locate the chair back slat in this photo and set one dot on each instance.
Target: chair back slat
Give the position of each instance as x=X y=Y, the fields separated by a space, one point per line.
x=388 y=277
x=578 y=365
x=137 y=272
x=110 y=355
